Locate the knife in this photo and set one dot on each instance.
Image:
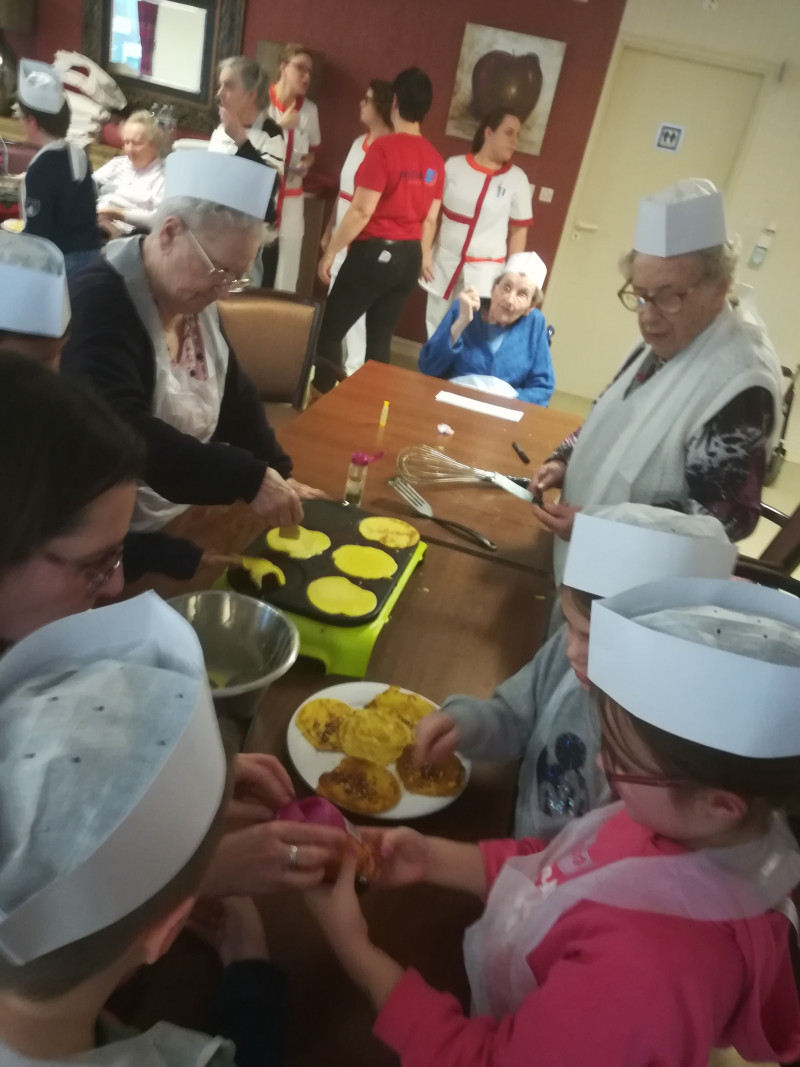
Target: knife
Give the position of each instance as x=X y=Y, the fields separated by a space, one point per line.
x=502 y=482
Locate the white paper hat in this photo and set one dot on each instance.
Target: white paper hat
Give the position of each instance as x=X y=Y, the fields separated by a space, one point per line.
x=614 y=547
x=231 y=181
x=111 y=770
x=39 y=87
x=33 y=282
x=529 y=264
x=686 y=217
x=727 y=675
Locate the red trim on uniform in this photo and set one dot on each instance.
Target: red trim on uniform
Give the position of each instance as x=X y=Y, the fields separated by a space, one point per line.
x=483 y=259
x=473 y=222
x=486 y=170
x=345 y=196
x=520 y=222
x=298 y=100
x=292 y=192
x=455 y=217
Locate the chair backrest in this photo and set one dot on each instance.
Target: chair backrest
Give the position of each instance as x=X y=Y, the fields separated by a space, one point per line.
x=783 y=551
x=274 y=336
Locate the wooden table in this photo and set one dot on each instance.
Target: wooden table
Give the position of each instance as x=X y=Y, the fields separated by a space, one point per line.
x=346 y=420
x=467 y=620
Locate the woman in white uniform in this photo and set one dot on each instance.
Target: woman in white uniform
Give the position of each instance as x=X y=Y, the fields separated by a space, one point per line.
x=375 y=113
x=486 y=212
x=131 y=186
x=145 y=330
x=298 y=118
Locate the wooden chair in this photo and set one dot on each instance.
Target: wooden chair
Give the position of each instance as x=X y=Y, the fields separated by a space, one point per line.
x=274 y=336
x=782 y=554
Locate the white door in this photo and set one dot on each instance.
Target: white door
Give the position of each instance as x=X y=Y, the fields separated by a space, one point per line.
x=715 y=105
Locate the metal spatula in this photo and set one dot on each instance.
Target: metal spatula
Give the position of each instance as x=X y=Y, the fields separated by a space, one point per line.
x=422 y=507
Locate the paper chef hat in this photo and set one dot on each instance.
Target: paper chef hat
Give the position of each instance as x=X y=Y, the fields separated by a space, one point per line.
x=716 y=662
x=529 y=264
x=111 y=770
x=231 y=181
x=33 y=282
x=615 y=547
x=688 y=216
x=39 y=87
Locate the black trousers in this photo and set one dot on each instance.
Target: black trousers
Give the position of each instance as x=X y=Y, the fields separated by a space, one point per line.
x=375 y=278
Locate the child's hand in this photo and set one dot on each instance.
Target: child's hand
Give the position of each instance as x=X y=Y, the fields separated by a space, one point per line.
x=337 y=910
x=232 y=927
x=403 y=852
x=436 y=737
x=261 y=786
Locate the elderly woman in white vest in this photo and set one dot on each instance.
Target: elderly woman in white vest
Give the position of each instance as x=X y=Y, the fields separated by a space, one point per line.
x=146 y=332
x=688 y=419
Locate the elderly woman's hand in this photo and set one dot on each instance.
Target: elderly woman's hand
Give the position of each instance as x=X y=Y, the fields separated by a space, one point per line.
x=549 y=476
x=277 y=502
x=557 y=518
x=307 y=492
x=468 y=303
x=234 y=128
x=272 y=855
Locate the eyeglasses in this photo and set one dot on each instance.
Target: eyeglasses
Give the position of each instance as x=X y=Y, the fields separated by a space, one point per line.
x=218 y=275
x=666 y=303
x=95 y=575
x=304 y=68
x=610 y=758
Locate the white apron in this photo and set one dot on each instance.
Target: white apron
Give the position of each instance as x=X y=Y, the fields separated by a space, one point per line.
x=525 y=902
x=183 y=402
x=634 y=448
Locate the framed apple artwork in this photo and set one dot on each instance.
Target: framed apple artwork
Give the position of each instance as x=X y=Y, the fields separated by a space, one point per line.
x=501 y=68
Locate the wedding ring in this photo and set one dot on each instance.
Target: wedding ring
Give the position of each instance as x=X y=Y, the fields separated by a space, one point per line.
x=292 y=855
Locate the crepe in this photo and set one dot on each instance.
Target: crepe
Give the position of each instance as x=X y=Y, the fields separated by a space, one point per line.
x=375 y=734
x=361 y=561
x=361 y=786
x=302 y=544
x=393 y=533
x=320 y=722
x=340 y=596
x=408 y=706
x=256 y=576
x=445 y=779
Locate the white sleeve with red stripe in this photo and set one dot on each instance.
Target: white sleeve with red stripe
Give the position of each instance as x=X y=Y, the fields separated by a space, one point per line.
x=521 y=198
x=312 y=125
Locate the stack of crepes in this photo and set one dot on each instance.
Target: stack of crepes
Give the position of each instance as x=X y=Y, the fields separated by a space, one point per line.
x=371 y=738
x=92 y=95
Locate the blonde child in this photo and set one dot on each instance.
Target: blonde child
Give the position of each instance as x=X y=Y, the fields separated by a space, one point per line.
x=112 y=791
x=651 y=931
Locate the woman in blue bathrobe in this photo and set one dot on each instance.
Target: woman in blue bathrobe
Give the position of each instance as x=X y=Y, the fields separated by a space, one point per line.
x=498 y=344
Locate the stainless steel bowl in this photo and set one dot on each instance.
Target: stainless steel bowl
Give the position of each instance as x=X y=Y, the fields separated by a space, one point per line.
x=247 y=645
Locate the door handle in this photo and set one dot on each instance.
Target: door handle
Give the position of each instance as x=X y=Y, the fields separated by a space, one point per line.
x=586 y=227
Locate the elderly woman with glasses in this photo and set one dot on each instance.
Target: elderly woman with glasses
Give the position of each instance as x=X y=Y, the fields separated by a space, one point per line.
x=146 y=332
x=687 y=421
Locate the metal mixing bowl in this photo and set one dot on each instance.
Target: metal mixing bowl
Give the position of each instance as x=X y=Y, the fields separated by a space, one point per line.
x=246 y=644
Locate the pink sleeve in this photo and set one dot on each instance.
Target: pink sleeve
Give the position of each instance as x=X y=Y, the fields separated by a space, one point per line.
x=613 y=997
x=372 y=173
x=495 y=853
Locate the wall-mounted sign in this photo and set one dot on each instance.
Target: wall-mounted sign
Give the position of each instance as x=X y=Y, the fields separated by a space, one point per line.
x=669 y=137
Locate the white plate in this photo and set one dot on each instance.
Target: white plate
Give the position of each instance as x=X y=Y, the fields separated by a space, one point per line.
x=310 y=763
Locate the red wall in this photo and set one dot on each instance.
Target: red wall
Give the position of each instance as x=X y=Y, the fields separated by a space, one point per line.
x=364 y=39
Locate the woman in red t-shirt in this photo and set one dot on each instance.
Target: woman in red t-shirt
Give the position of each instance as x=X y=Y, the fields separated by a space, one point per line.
x=392 y=217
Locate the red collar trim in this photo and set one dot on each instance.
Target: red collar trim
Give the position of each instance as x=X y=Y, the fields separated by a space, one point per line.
x=486 y=170
x=298 y=100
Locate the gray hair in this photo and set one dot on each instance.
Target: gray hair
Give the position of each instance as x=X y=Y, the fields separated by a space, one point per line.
x=252 y=76
x=201 y=215
x=152 y=130
x=718 y=262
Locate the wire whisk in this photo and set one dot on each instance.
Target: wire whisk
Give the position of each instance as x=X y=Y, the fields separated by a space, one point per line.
x=423 y=465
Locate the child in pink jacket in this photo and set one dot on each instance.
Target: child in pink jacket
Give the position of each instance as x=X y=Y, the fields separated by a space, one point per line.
x=651 y=931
